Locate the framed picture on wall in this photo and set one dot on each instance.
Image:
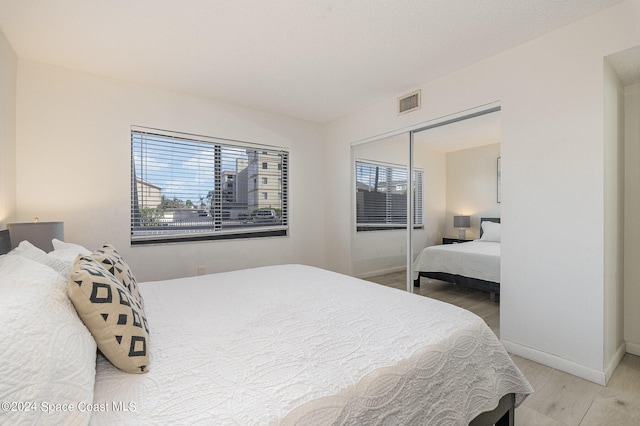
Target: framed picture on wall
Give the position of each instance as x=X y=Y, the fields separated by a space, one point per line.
x=499 y=189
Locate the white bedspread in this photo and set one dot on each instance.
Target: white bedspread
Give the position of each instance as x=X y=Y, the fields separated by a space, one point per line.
x=474 y=259
x=298 y=345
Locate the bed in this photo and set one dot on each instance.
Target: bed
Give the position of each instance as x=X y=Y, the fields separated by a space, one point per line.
x=276 y=345
x=474 y=264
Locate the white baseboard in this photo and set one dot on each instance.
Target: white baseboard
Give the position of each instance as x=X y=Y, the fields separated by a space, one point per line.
x=556 y=362
x=381 y=272
x=633 y=348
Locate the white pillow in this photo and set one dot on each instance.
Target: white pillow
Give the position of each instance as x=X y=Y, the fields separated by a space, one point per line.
x=67 y=253
x=66 y=256
x=490 y=231
x=48 y=355
x=28 y=250
x=61 y=245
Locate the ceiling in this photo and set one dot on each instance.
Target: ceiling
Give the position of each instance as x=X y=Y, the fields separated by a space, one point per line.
x=316 y=60
x=627 y=65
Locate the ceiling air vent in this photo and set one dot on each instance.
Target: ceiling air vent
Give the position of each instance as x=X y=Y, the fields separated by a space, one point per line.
x=409 y=102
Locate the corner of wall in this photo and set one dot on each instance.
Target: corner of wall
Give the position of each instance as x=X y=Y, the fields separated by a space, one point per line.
x=8 y=83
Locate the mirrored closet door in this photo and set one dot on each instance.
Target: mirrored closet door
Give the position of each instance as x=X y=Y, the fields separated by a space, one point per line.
x=380 y=171
x=460 y=159
x=444 y=169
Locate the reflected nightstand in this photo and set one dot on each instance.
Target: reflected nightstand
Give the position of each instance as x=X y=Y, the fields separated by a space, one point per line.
x=453 y=241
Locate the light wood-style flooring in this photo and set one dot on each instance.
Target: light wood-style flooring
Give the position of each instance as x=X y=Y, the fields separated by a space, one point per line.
x=559 y=398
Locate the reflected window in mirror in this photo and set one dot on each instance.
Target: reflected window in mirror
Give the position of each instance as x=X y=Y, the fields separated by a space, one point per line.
x=381 y=196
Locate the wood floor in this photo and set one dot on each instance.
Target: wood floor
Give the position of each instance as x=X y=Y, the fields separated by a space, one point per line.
x=559 y=398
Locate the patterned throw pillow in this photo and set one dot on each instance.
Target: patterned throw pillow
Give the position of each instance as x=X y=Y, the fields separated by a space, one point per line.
x=115 y=319
x=114 y=263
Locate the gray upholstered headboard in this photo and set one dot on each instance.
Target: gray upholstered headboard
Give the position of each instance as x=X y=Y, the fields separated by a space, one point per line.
x=488 y=219
x=5 y=242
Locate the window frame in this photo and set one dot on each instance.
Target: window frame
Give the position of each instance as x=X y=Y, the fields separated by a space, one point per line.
x=218 y=225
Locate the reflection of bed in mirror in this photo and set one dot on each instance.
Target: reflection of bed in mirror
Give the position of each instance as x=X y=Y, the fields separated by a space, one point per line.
x=474 y=264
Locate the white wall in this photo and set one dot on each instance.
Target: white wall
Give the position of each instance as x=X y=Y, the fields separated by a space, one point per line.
x=434 y=164
x=472 y=187
x=631 y=222
x=8 y=69
x=73 y=164
x=551 y=93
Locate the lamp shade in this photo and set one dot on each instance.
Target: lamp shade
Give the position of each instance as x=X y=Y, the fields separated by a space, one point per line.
x=462 y=221
x=39 y=234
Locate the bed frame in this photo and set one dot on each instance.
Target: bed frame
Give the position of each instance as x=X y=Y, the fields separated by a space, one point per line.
x=502 y=415
x=5 y=242
x=491 y=287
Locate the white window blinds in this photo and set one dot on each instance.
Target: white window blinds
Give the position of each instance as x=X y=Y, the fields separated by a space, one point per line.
x=381 y=196
x=187 y=187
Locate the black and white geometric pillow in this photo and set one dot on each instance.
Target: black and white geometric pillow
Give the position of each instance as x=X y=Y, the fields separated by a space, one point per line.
x=114 y=318
x=113 y=262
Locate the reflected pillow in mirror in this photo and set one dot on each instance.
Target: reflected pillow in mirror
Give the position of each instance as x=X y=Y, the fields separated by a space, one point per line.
x=490 y=231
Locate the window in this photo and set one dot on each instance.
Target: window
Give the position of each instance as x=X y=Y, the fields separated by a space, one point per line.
x=265 y=180
x=381 y=196
x=191 y=188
